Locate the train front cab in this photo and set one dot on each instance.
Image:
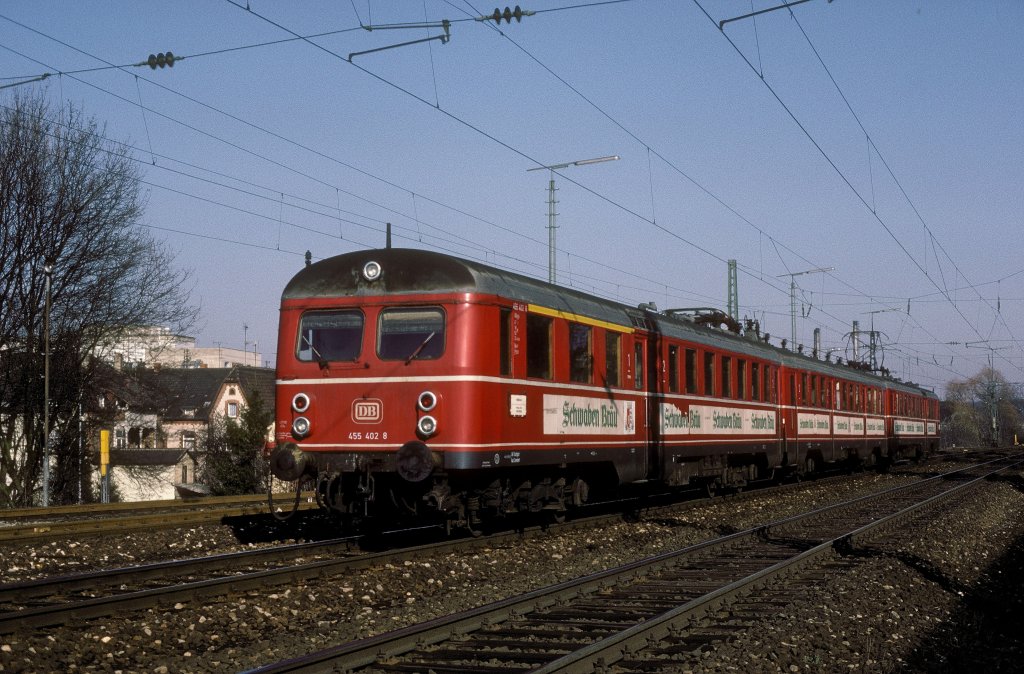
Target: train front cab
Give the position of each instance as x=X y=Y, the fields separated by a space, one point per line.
x=368 y=391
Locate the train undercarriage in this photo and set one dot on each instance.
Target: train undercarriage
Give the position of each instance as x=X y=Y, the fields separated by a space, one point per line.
x=416 y=488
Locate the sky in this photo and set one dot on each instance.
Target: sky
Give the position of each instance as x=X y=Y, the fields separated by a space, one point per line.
x=875 y=145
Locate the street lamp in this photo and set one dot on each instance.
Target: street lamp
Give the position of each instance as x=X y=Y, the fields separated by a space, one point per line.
x=551 y=203
x=792 y=298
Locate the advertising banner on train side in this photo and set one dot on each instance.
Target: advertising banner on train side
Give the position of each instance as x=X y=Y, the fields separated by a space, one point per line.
x=578 y=415
x=715 y=420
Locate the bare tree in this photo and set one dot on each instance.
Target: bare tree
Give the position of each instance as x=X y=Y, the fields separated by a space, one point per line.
x=981 y=410
x=69 y=199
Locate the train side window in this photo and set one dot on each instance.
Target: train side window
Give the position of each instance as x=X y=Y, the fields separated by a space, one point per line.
x=505 y=339
x=330 y=335
x=741 y=379
x=673 y=368
x=538 y=346
x=611 y=358
x=838 y=399
x=726 y=377
x=407 y=334
x=792 y=390
x=803 y=388
x=814 y=390
x=580 y=360
x=638 y=365
x=709 y=373
x=691 y=370
x=755 y=381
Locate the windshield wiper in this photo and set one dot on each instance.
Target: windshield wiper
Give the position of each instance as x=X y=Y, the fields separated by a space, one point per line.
x=320 y=360
x=419 y=348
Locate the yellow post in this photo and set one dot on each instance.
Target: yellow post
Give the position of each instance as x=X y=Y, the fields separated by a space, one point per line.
x=104 y=452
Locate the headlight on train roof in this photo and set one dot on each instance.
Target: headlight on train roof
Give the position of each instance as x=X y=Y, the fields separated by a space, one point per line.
x=372 y=270
x=300 y=403
x=427 y=401
x=427 y=426
x=300 y=427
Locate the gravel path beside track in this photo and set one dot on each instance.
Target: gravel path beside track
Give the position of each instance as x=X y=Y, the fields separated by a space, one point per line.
x=896 y=611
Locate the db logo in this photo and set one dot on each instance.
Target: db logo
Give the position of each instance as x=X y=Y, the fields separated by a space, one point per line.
x=367 y=411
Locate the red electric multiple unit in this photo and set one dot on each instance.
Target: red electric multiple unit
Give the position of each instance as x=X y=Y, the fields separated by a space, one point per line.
x=412 y=382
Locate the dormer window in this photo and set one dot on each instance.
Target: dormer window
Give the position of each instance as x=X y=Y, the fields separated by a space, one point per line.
x=232 y=410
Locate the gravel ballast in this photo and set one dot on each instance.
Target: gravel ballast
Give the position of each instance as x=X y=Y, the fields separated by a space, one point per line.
x=922 y=606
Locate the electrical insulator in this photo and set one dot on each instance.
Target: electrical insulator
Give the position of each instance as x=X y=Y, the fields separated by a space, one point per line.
x=161 y=60
x=508 y=15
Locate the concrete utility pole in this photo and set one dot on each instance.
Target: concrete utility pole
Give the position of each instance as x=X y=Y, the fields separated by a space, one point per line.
x=792 y=299
x=733 y=308
x=552 y=202
x=48 y=271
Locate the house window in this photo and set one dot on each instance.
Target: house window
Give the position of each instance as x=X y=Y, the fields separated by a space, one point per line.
x=232 y=410
x=120 y=438
x=188 y=440
x=184 y=474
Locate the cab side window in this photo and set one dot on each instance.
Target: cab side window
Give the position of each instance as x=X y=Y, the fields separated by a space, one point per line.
x=538 y=346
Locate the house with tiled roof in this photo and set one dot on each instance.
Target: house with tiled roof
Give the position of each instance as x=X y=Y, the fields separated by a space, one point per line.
x=164 y=415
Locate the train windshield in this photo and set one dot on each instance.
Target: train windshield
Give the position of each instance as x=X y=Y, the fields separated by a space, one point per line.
x=330 y=335
x=409 y=334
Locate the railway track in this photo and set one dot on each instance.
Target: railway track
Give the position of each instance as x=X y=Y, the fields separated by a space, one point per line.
x=33 y=524
x=641 y=616
x=59 y=600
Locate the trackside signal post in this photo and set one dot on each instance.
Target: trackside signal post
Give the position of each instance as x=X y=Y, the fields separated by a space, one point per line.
x=105 y=466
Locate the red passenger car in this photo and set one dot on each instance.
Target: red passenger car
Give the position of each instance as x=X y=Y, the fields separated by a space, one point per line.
x=412 y=381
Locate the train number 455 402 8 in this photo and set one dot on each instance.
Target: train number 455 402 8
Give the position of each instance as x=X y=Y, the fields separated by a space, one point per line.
x=359 y=435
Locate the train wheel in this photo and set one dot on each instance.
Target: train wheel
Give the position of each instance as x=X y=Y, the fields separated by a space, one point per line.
x=556 y=516
x=810 y=466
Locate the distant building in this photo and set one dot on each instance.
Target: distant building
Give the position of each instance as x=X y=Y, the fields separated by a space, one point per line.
x=154 y=346
x=153 y=474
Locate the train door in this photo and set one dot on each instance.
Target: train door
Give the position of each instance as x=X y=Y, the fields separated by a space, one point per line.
x=790 y=403
x=645 y=358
